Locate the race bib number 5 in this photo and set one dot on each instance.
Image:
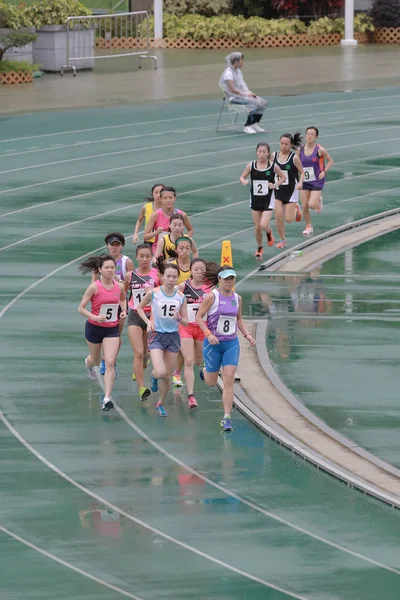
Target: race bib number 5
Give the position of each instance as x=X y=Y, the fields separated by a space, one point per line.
x=309 y=174
x=109 y=311
x=226 y=325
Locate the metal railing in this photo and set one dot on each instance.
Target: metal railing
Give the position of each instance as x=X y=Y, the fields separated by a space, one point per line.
x=106 y=36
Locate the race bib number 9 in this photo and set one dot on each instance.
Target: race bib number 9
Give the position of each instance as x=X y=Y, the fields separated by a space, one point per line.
x=309 y=174
x=192 y=312
x=138 y=295
x=260 y=188
x=226 y=325
x=167 y=309
x=109 y=311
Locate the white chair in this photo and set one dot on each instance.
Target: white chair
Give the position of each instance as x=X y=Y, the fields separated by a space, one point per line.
x=233 y=111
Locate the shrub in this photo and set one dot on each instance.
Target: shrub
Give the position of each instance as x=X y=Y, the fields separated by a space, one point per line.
x=363 y=23
x=6 y=66
x=55 y=12
x=207 y=8
x=325 y=25
x=14 y=39
x=386 y=13
x=12 y=17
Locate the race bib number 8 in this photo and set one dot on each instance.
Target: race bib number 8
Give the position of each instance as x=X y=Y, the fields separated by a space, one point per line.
x=226 y=325
x=260 y=188
x=309 y=174
x=192 y=312
x=138 y=295
x=166 y=310
x=109 y=311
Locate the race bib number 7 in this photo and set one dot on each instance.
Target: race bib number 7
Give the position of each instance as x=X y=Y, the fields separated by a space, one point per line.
x=192 y=310
x=309 y=174
x=109 y=311
x=226 y=325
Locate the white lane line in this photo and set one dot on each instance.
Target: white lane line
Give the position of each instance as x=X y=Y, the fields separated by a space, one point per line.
x=132 y=150
x=292 y=107
x=125 y=185
x=187 y=157
x=288 y=119
x=66 y=564
x=167 y=454
x=143 y=524
x=128 y=206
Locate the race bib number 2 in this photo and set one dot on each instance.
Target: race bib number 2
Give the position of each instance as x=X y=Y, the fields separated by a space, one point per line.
x=226 y=325
x=260 y=188
x=109 y=311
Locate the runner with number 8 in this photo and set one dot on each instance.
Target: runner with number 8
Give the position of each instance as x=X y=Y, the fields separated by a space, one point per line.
x=221 y=345
x=138 y=282
x=102 y=330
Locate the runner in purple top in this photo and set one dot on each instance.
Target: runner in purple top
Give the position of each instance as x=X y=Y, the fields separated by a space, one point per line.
x=312 y=158
x=221 y=345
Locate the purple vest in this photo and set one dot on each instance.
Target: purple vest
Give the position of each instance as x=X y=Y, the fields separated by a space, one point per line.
x=222 y=316
x=312 y=165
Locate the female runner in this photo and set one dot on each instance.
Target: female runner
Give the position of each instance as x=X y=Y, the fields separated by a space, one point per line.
x=168 y=308
x=192 y=337
x=287 y=195
x=138 y=282
x=312 y=157
x=101 y=329
x=262 y=175
x=158 y=223
x=167 y=243
x=152 y=204
x=221 y=345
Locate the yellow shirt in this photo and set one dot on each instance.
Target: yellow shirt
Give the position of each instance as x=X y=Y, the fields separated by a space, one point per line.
x=169 y=245
x=148 y=211
x=183 y=275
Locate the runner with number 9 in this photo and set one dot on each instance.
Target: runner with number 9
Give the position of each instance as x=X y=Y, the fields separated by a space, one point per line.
x=102 y=330
x=221 y=345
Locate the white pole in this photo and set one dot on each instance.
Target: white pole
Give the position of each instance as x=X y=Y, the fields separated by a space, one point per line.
x=158 y=19
x=349 y=24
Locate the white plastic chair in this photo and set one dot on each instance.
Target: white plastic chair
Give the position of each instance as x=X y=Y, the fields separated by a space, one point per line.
x=233 y=111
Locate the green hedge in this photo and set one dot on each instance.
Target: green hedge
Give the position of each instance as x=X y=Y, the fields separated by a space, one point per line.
x=199 y=28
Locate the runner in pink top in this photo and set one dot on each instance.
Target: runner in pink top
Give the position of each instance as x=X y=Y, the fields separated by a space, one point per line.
x=107 y=298
x=159 y=223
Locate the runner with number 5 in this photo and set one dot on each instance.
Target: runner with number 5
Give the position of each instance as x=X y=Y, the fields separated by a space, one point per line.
x=101 y=330
x=262 y=176
x=221 y=345
x=168 y=309
x=312 y=157
x=137 y=283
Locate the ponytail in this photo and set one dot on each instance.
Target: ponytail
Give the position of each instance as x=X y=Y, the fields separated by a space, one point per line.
x=162 y=266
x=94 y=263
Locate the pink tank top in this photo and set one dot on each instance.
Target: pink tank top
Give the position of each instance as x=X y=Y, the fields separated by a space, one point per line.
x=106 y=302
x=162 y=220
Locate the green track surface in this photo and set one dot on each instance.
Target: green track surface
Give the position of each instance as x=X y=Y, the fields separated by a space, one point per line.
x=66 y=180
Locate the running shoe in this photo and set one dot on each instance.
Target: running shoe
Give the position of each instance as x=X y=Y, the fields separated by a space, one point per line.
x=107 y=404
x=320 y=206
x=226 y=424
x=270 y=238
x=90 y=372
x=259 y=253
x=144 y=393
x=161 y=410
x=102 y=368
x=282 y=244
x=176 y=380
x=299 y=214
x=153 y=384
x=192 y=401
x=258 y=128
x=249 y=129
x=133 y=377
x=309 y=230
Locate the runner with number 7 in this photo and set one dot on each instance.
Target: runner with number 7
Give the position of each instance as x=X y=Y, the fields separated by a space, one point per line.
x=221 y=349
